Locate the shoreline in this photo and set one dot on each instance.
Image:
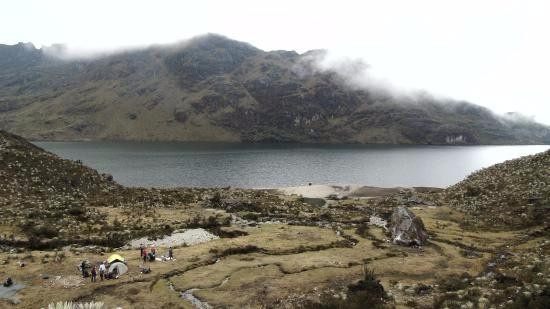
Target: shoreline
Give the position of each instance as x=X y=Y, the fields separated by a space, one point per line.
x=341 y=191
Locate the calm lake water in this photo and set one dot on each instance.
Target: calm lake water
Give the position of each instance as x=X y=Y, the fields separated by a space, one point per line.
x=170 y=164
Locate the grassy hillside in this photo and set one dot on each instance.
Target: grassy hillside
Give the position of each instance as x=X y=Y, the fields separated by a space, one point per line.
x=514 y=193
x=211 y=88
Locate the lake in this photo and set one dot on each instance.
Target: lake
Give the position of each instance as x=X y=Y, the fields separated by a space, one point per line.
x=171 y=164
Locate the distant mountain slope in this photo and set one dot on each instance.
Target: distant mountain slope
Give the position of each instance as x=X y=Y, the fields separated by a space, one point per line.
x=513 y=193
x=211 y=88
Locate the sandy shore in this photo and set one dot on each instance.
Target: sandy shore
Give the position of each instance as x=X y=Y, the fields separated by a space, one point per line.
x=324 y=191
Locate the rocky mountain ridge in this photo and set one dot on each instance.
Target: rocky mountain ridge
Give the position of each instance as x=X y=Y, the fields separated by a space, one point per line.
x=211 y=88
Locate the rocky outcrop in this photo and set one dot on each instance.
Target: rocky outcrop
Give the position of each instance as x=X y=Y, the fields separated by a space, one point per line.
x=406 y=228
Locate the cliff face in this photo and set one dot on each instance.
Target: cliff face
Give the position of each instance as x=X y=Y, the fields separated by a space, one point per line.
x=211 y=88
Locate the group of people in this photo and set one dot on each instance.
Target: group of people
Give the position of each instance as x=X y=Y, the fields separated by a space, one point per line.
x=84 y=266
x=92 y=270
x=151 y=255
x=102 y=271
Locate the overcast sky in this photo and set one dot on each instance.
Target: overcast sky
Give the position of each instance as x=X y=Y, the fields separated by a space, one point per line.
x=493 y=53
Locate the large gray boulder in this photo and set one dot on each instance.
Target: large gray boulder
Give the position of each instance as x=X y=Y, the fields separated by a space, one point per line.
x=407 y=229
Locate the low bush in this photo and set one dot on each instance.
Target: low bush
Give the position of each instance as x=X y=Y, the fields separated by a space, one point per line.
x=454 y=283
x=536 y=301
x=251 y=216
x=367 y=293
x=76 y=211
x=235 y=250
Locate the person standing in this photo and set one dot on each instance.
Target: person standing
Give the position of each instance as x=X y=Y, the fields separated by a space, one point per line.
x=83 y=267
x=144 y=255
x=94 y=273
x=102 y=270
x=170 y=253
x=141 y=248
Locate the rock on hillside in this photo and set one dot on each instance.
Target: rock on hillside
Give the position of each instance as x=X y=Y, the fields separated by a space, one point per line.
x=211 y=88
x=514 y=193
x=406 y=228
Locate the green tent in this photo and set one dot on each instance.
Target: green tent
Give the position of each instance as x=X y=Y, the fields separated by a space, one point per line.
x=118 y=268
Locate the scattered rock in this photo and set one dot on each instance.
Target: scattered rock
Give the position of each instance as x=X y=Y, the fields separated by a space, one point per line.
x=377 y=221
x=187 y=237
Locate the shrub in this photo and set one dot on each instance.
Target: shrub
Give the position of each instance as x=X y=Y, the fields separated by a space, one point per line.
x=235 y=250
x=116 y=224
x=43 y=231
x=326 y=216
x=251 y=216
x=537 y=301
x=367 y=293
x=454 y=283
x=133 y=291
x=212 y=222
x=363 y=231
x=59 y=256
x=216 y=200
x=76 y=211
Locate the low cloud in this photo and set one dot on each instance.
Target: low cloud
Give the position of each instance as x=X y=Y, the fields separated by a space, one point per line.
x=518 y=117
x=353 y=73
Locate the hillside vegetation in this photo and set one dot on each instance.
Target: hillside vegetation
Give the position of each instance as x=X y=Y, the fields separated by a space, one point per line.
x=515 y=193
x=212 y=88
x=48 y=202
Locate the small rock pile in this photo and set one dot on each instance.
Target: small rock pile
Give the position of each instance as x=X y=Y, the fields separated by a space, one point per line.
x=515 y=193
x=178 y=238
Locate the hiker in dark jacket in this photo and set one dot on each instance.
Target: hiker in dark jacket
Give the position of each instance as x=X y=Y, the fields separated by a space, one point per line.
x=84 y=269
x=170 y=253
x=94 y=273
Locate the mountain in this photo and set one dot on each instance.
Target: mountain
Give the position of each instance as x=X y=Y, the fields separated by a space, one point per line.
x=211 y=88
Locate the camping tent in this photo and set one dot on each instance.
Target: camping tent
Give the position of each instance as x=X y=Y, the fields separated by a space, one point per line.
x=118 y=268
x=115 y=257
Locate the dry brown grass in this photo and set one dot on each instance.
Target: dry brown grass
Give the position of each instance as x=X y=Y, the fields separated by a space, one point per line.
x=289 y=265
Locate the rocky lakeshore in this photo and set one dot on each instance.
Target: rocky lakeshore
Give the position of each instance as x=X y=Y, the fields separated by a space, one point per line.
x=482 y=243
